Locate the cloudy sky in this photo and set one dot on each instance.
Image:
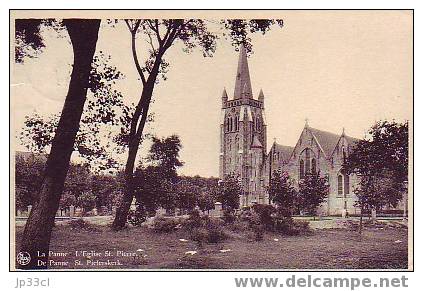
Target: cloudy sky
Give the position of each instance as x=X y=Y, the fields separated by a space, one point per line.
x=335 y=68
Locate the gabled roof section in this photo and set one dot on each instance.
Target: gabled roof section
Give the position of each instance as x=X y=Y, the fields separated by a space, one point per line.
x=284 y=151
x=242 y=82
x=351 y=140
x=326 y=140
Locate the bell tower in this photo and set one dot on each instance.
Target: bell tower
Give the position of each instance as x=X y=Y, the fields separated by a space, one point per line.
x=243 y=135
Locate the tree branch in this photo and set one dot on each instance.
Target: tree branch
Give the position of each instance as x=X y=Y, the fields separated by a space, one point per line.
x=133 y=30
x=156 y=29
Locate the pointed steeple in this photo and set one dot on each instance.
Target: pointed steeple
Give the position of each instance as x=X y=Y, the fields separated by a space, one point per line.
x=224 y=97
x=242 y=81
x=261 y=96
x=224 y=94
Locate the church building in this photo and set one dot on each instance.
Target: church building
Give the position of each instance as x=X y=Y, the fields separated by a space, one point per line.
x=243 y=150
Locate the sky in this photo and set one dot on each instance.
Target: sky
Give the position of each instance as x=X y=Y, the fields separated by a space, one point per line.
x=338 y=69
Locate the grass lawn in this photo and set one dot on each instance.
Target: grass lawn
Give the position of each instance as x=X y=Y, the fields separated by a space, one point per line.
x=322 y=249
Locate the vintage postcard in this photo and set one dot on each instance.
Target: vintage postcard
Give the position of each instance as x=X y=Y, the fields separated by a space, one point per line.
x=222 y=139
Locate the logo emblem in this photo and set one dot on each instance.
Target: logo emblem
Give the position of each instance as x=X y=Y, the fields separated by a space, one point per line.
x=23 y=258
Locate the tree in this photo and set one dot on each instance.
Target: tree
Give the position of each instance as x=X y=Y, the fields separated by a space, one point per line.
x=29 y=174
x=36 y=237
x=29 y=170
x=160 y=35
x=313 y=191
x=155 y=184
x=104 y=114
x=381 y=164
x=78 y=180
x=187 y=195
x=67 y=200
x=282 y=192
x=86 y=201
x=229 y=193
x=105 y=187
x=203 y=190
x=206 y=201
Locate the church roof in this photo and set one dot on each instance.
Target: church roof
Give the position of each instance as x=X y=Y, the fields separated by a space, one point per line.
x=328 y=140
x=351 y=140
x=283 y=150
x=242 y=82
x=256 y=143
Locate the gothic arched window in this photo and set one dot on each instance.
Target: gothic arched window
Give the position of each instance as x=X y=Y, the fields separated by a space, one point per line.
x=346 y=184
x=340 y=186
x=307 y=160
x=236 y=123
x=313 y=166
x=301 y=169
x=344 y=155
x=228 y=121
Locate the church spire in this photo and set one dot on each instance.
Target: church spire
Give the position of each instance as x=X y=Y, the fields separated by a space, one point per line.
x=242 y=81
x=261 y=96
x=224 y=97
x=224 y=94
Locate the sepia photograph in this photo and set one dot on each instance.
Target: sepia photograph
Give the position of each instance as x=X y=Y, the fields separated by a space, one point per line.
x=211 y=140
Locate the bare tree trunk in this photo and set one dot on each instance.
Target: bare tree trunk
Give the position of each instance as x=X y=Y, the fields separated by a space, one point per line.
x=136 y=131
x=360 y=227
x=37 y=233
x=124 y=205
x=136 y=135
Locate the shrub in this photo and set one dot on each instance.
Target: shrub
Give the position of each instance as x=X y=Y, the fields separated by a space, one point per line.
x=199 y=235
x=215 y=230
x=229 y=216
x=81 y=224
x=283 y=224
x=240 y=225
x=288 y=226
x=194 y=220
x=137 y=217
x=245 y=215
x=257 y=226
x=303 y=226
x=265 y=215
x=206 y=229
x=162 y=224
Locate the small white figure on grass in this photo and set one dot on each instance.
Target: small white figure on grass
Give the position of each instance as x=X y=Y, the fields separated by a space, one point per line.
x=183 y=240
x=191 y=253
x=225 y=251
